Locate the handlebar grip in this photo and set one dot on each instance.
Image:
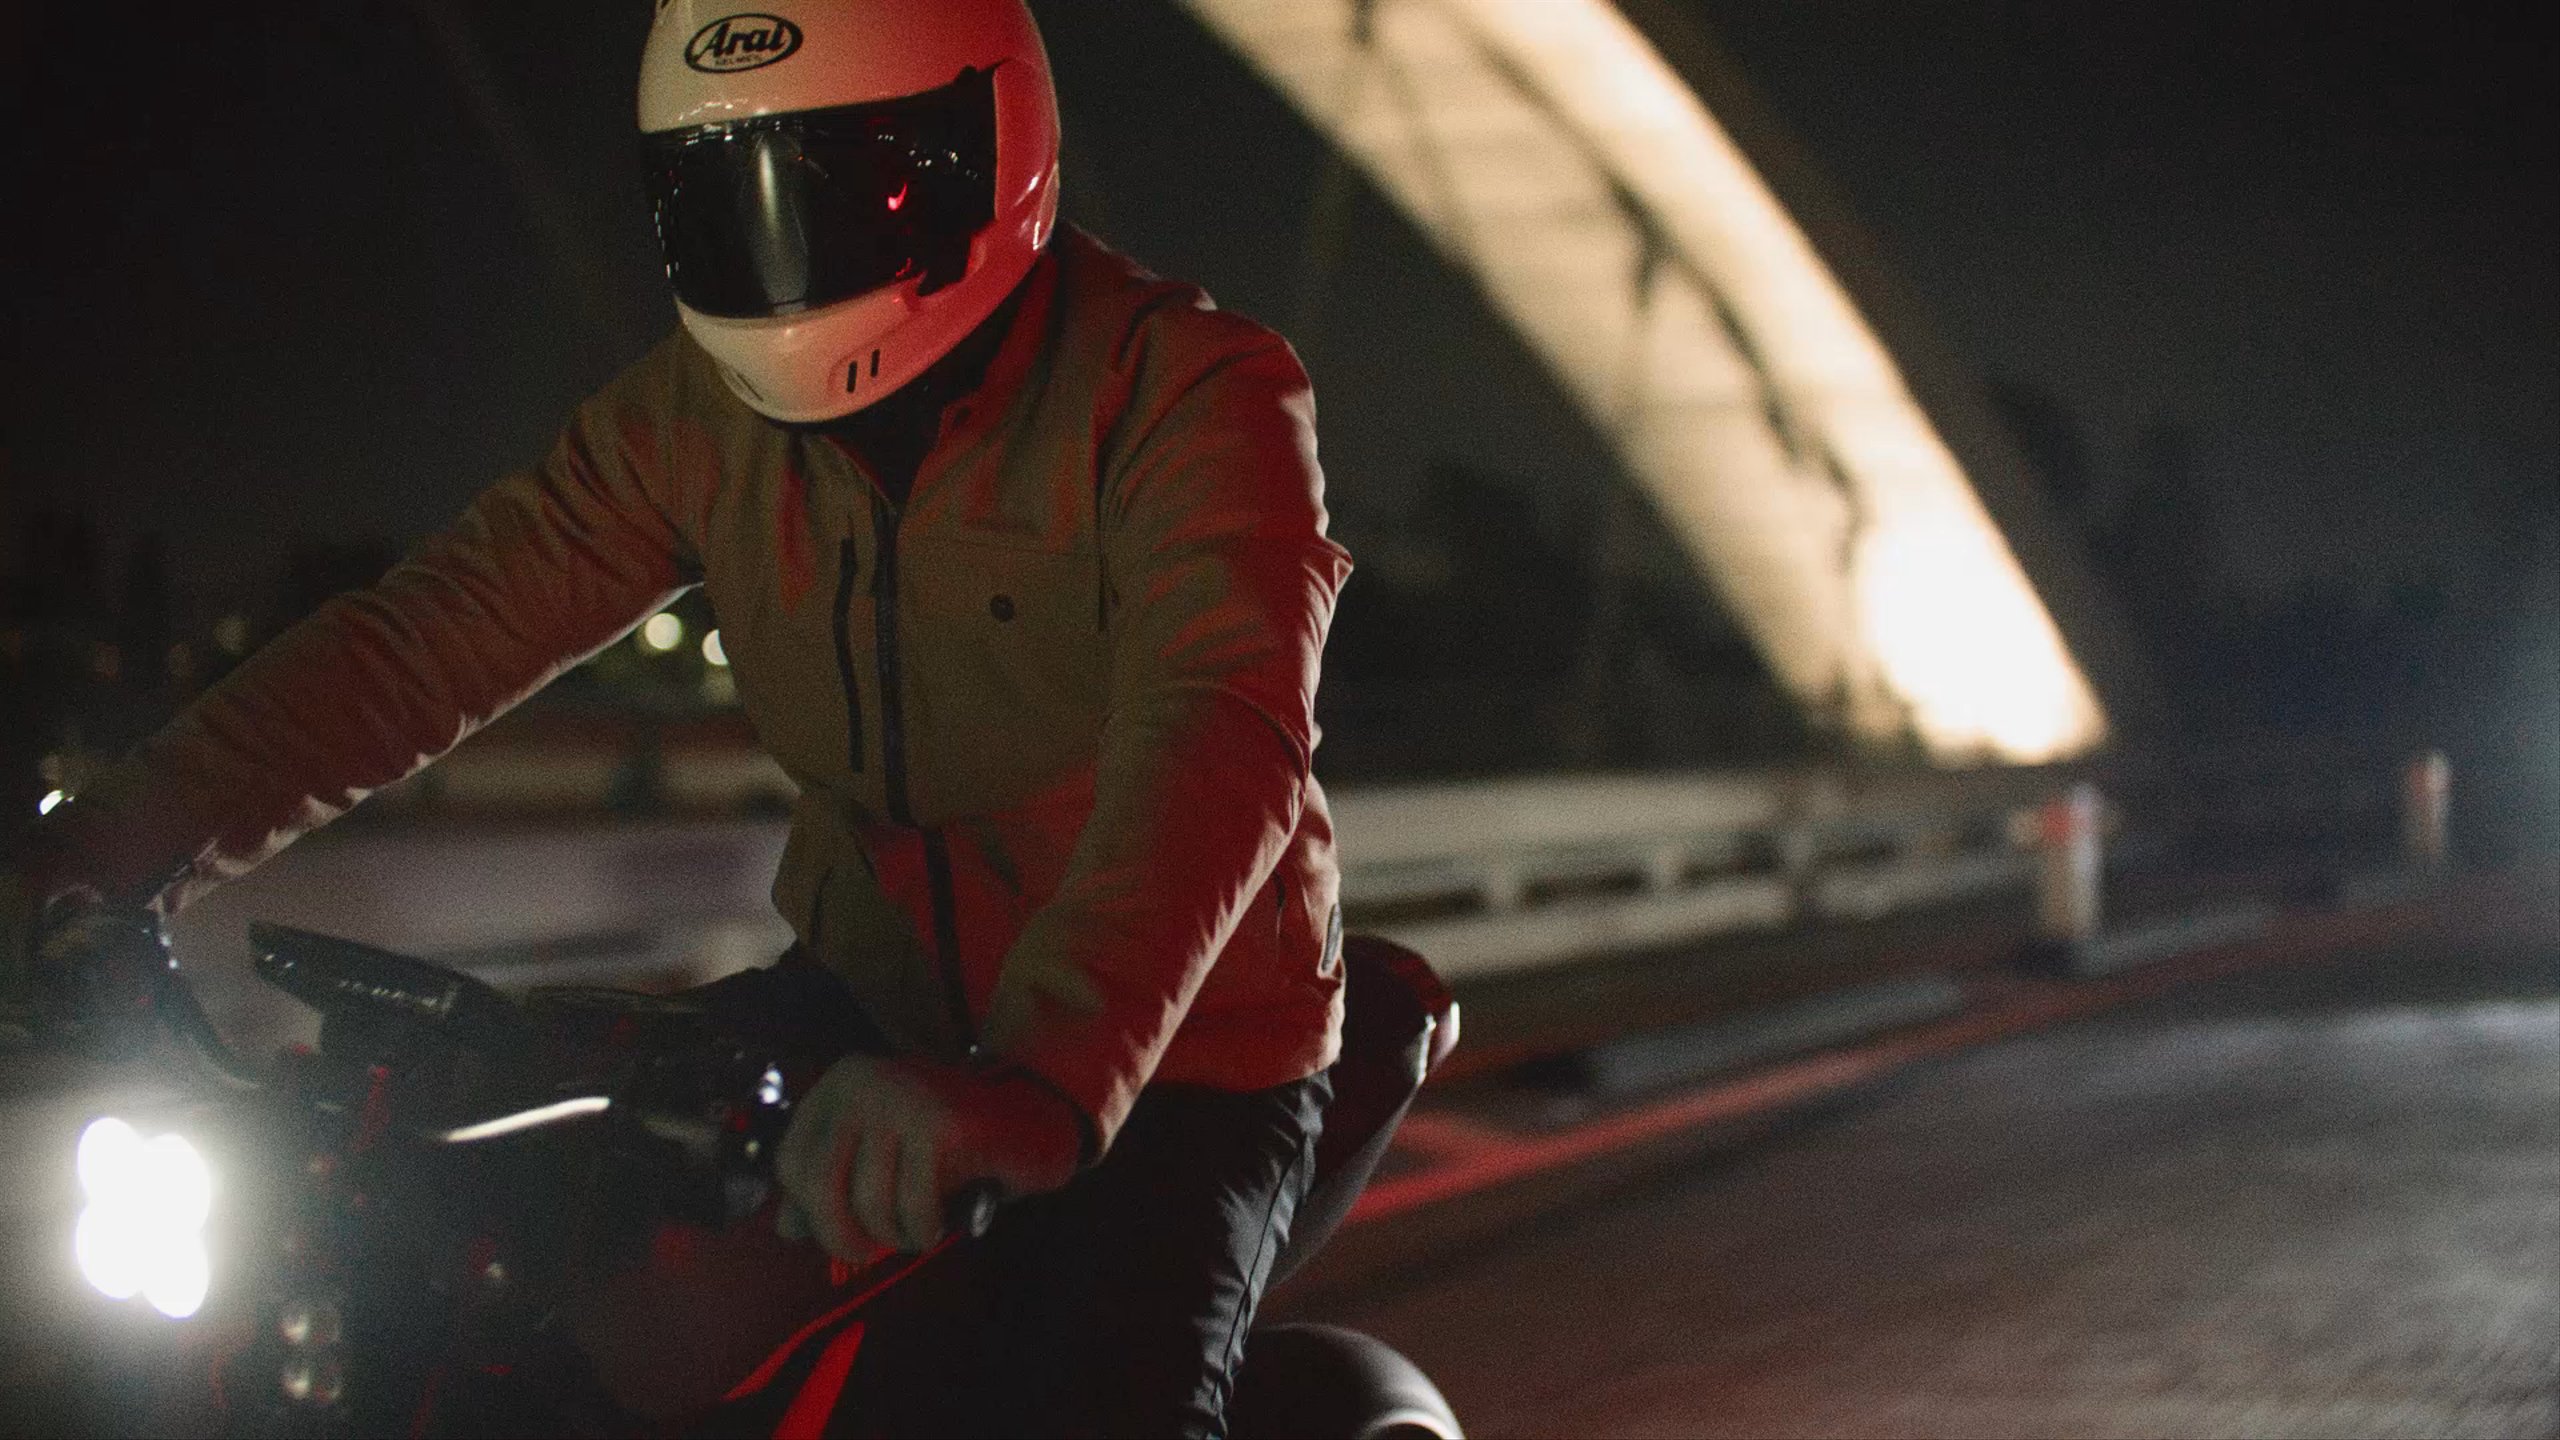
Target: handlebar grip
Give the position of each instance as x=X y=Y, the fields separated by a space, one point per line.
x=972 y=1208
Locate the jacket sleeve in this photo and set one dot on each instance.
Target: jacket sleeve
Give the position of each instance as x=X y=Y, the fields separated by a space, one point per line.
x=545 y=568
x=1215 y=552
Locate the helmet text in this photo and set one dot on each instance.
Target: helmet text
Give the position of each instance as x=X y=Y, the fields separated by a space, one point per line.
x=741 y=42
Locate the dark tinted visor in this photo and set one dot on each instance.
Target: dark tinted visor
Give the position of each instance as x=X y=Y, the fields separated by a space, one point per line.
x=788 y=212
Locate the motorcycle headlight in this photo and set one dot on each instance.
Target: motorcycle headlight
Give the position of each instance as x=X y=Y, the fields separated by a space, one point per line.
x=142 y=1232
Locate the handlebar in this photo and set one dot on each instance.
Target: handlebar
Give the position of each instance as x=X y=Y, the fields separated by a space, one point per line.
x=728 y=1145
x=968 y=1212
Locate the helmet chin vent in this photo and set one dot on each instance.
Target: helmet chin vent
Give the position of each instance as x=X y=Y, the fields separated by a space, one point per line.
x=853 y=372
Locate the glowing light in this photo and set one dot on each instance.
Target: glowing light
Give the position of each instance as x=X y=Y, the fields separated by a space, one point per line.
x=110 y=1157
x=713 y=651
x=1976 y=660
x=142 y=1232
x=1549 y=152
x=180 y=1281
x=523 y=1120
x=182 y=1184
x=662 y=633
x=899 y=200
x=109 y=1260
x=52 y=799
x=231 y=634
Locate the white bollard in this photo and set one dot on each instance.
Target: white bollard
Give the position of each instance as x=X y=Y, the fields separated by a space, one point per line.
x=2426 y=804
x=2067 y=879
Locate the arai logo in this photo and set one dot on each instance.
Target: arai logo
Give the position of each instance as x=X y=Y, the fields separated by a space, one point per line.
x=741 y=42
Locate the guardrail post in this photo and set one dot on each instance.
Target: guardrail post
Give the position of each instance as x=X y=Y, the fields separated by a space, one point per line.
x=2068 y=875
x=2426 y=803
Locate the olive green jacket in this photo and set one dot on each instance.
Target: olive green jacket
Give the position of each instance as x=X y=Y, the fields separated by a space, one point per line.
x=1052 y=718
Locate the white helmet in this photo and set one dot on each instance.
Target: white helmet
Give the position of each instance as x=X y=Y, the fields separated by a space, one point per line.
x=844 y=189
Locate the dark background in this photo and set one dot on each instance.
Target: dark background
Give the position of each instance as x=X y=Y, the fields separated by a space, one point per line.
x=2267 y=292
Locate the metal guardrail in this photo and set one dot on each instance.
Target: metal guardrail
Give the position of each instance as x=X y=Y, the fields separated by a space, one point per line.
x=1490 y=876
x=1484 y=876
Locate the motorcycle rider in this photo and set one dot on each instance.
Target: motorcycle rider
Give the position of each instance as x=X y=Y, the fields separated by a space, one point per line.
x=1020 y=562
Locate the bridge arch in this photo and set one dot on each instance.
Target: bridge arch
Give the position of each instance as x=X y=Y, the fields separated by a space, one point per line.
x=1547 y=149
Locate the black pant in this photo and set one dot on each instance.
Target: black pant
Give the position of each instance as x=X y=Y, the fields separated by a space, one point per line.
x=1117 y=1306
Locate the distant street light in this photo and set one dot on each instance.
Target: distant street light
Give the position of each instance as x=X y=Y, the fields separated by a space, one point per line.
x=713 y=651
x=663 y=633
x=51 y=799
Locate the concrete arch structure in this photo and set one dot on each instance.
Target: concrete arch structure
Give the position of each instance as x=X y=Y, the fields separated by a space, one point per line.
x=1548 y=149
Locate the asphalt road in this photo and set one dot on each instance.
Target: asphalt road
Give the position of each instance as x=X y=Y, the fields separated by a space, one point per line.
x=2317 y=1199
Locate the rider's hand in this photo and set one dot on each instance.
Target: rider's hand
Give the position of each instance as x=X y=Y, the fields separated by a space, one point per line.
x=879 y=1144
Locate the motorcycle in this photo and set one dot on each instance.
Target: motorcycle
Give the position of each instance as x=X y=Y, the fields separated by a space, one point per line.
x=465 y=1213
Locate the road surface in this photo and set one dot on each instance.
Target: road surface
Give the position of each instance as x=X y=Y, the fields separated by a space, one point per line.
x=2319 y=1198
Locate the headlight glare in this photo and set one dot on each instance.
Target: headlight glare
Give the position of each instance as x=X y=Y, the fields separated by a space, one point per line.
x=180 y=1276
x=110 y=1260
x=143 y=1230
x=181 y=1183
x=110 y=1158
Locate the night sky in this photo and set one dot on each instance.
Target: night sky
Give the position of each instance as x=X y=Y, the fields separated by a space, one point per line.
x=323 y=271
x=2322 y=238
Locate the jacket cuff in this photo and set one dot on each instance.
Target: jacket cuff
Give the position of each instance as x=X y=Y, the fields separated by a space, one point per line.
x=1088 y=1133
x=1085 y=1062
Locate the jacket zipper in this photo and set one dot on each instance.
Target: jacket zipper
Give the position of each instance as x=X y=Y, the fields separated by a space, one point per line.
x=893 y=765
x=848 y=561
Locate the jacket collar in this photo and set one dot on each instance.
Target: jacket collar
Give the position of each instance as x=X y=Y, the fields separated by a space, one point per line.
x=1020 y=358
x=966 y=394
